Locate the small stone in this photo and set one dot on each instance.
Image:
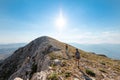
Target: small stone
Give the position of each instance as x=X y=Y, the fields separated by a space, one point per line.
x=76 y=79
x=57 y=62
x=17 y=78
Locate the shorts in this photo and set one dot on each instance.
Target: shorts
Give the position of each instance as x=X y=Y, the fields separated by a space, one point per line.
x=77 y=57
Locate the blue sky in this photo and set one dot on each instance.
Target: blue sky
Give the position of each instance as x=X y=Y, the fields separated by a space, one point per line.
x=87 y=21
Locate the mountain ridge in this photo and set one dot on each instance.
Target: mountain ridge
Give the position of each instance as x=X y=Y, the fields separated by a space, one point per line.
x=45 y=59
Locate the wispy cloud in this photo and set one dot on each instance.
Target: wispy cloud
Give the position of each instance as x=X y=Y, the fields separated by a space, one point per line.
x=75 y=35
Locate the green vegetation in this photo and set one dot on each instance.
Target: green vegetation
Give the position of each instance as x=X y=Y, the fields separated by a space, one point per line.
x=54 y=56
x=52 y=64
x=89 y=72
x=52 y=76
x=67 y=74
x=34 y=69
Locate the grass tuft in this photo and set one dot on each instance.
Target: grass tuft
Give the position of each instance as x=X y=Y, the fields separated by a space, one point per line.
x=52 y=76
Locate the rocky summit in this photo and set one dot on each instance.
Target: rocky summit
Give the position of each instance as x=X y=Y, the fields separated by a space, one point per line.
x=45 y=59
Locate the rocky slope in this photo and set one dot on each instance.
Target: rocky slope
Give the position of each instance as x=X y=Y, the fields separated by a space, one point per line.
x=44 y=59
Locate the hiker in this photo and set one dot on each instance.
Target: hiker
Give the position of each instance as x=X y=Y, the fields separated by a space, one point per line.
x=77 y=55
x=67 y=51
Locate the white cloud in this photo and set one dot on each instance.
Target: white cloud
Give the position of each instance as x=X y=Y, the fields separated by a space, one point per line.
x=75 y=35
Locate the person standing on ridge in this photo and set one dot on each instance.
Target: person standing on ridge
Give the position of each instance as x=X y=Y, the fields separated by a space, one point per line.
x=77 y=55
x=67 y=51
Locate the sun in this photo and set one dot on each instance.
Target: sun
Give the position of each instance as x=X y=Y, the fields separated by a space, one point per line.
x=60 y=21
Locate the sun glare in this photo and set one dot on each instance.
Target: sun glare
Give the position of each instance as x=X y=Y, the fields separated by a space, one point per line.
x=60 y=21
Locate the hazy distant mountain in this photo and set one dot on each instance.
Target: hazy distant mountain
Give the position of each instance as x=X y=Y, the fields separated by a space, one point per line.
x=45 y=59
x=111 y=50
x=14 y=45
x=7 y=49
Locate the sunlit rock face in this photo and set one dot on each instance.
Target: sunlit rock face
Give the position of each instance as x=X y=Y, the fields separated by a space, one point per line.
x=32 y=55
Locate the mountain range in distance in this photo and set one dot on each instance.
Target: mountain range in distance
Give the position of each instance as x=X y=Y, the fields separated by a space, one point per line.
x=7 y=49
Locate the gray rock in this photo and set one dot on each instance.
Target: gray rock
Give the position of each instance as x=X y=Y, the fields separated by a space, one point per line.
x=57 y=62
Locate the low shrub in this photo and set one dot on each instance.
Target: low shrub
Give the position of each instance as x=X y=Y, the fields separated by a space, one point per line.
x=91 y=73
x=67 y=74
x=102 y=63
x=102 y=70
